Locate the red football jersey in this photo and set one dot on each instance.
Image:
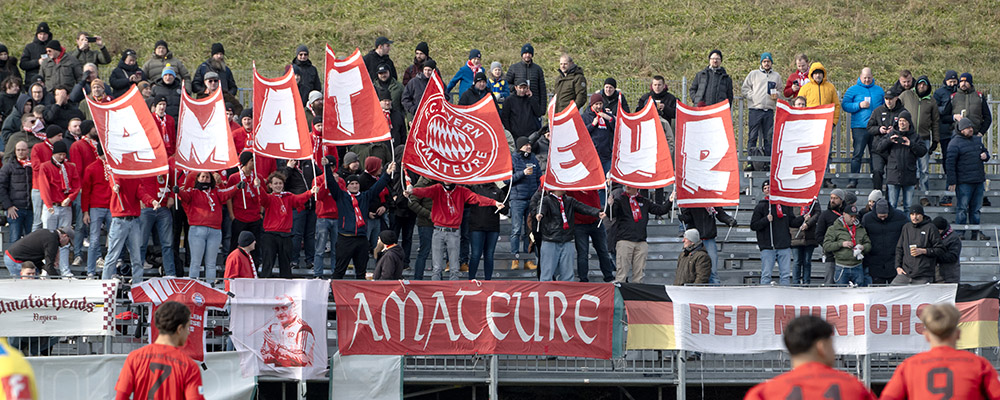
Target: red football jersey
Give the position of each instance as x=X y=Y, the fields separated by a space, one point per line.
x=197 y=295
x=160 y=371
x=811 y=381
x=944 y=373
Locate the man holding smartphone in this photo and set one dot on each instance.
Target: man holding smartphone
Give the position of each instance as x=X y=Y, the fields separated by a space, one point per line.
x=880 y=123
x=760 y=88
x=90 y=49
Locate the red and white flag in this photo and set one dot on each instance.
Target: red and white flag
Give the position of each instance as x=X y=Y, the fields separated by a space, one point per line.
x=130 y=136
x=800 y=149
x=204 y=140
x=641 y=156
x=459 y=144
x=351 y=111
x=707 y=167
x=573 y=162
x=279 y=128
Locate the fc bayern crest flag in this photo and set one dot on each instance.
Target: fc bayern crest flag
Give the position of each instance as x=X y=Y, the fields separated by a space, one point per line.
x=641 y=155
x=799 y=153
x=196 y=295
x=707 y=167
x=573 y=161
x=351 y=112
x=204 y=140
x=459 y=144
x=130 y=136
x=279 y=127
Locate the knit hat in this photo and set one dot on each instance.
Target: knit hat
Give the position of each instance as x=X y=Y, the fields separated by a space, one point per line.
x=917 y=209
x=422 y=47
x=86 y=126
x=245 y=157
x=352 y=178
x=693 y=236
x=43 y=27
x=882 y=207
x=373 y=165
x=430 y=63
x=850 y=198
x=965 y=77
x=964 y=124
x=217 y=48
x=388 y=237
x=350 y=158
x=520 y=142
x=163 y=43
x=480 y=76
x=765 y=56
x=905 y=114
x=96 y=83
x=54 y=45
x=475 y=53
x=296 y=69
x=246 y=113
x=53 y=130
x=246 y=239
x=839 y=193
x=383 y=94
x=875 y=195
x=229 y=106
x=210 y=75
x=314 y=95
x=612 y=82
x=950 y=74
x=528 y=48
x=715 y=51
x=940 y=223
x=596 y=98
x=301 y=49
x=59 y=147
x=3 y=48
x=168 y=70
x=318 y=119
x=496 y=64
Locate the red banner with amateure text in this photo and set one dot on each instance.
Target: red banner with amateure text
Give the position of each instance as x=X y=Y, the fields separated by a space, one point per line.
x=130 y=136
x=799 y=152
x=707 y=167
x=351 y=113
x=641 y=155
x=570 y=319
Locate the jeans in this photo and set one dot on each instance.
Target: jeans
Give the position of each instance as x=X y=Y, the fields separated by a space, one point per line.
x=20 y=226
x=901 y=196
x=13 y=267
x=518 y=230
x=761 y=129
x=713 y=254
x=326 y=232
x=124 y=232
x=81 y=229
x=445 y=240
x=482 y=243
x=968 y=202
x=844 y=275
x=784 y=260
x=162 y=220
x=403 y=226
x=599 y=239
x=374 y=226
x=802 y=269
x=98 y=217
x=204 y=243
x=464 y=248
x=36 y=206
x=860 y=139
x=922 y=164
x=557 y=261
x=426 y=234
x=60 y=217
x=304 y=235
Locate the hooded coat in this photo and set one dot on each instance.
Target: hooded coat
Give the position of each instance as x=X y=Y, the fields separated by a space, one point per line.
x=693 y=266
x=884 y=234
x=923 y=109
x=308 y=79
x=8 y=67
x=29 y=58
x=63 y=72
x=901 y=166
x=571 y=87
x=837 y=235
x=925 y=236
x=818 y=94
x=153 y=67
x=942 y=96
x=119 y=78
x=669 y=101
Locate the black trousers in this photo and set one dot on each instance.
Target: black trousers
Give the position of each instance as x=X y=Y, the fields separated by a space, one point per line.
x=255 y=227
x=351 y=248
x=275 y=245
x=404 y=230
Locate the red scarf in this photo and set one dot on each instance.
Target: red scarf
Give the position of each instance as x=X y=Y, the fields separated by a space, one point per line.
x=388 y=117
x=65 y=176
x=48 y=143
x=211 y=201
x=107 y=171
x=853 y=230
x=777 y=208
x=25 y=162
x=359 y=219
x=162 y=120
x=247 y=180
x=562 y=210
x=475 y=69
x=634 y=204
x=451 y=206
x=92 y=144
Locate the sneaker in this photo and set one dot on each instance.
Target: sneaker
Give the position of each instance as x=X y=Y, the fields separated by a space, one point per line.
x=515 y=264
x=530 y=265
x=464 y=267
x=924 y=202
x=945 y=202
x=78 y=261
x=852 y=185
x=986 y=202
x=91 y=277
x=86 y=243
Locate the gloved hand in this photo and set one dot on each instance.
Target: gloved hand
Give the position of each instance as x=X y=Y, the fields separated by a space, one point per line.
x=241 y=185
x=176 y=189
x=934 y=146
x=732 y=223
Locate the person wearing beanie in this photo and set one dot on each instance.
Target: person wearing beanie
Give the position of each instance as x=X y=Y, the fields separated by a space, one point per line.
x=8 y=68
x=965 y=173
x=571 y=85
x=521 y=112
x=308 y=75
x=948 y=261
x=849 y=244
x=414 y=90
x=168 y=86
x=601 y=126
x=919 y=243
x=712 y=84
x=216 y=63
x=523 y=184
x=466 y=75
x=240 y=263
x=884 y=225
x=610 y=95
x=497 y=83
x=860 y=100
x=773 y=223
x=58 y=184
x=760 y=88
x=245 y=205
x=530 y=72
x=693 y=265
x=385 y=81
x=394 y=116
x=902 y=147
x=942 y=97
x=925 y=117
x=31 y=56
x=873 y=197
x=879 y=126
x=127 y=74
x=479 y=89
x=160 y=59
x=95 y=204
x=390 y=258
x=421 y=54
x=166 y=124
x=58 y=70
x=969 y=103
x=630 y=214
x=243 y=135
x=15 y=191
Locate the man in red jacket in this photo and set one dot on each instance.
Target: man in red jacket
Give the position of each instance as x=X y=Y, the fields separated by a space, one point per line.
x=326 y=224
x=125 y=229
x=240 y=264
x=95 y=203
x=58 y=183
x=277 y=238
x=40 y=154
x=244 y=207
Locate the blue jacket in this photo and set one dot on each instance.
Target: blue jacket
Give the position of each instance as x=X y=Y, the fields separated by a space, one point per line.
x=346 y=221
x=463 y=78
x=853 y=98
x=522 y=186
x=962 y=163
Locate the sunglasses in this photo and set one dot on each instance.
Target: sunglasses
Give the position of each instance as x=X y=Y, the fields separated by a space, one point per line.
x=211 y=80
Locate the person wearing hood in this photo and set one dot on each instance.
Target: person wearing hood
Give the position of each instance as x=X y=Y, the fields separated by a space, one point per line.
x=126 y=74
x=168 y=86
x=86 y=53
x=8 y=65
x=949 y=269
x=966 y=102
x=693 y=264
x=601 y=126
x=216 y=63
x=34 y=52
x=884 y=225
x=420 y=55
x=879 y=125
x=820 y=91
x=521 y=112
x=202 y=199
x=571 y=87
x=385 y=81
x=760 y=88
x=860 y=100
x=919 y=243
x=712 y=84
x=965 y=173
x=10 y=91
x=27 y=133
x=414 y=90
x=923 y=109
x=465 y=77
x=530 y=72
x=849 y=243
x=378 y=56
x=308 y=77
x=610 y=95
x=772 y=223
x=390 y=258
x=161 y=58
x=58 y=70
x=942 y=96
x=902 y=147
x=523 y=184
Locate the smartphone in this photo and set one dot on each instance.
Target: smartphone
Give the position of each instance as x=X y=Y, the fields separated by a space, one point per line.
x=91 y=39
x=45 y=56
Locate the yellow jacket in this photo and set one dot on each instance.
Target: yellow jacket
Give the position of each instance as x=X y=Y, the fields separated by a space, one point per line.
x=821 y=93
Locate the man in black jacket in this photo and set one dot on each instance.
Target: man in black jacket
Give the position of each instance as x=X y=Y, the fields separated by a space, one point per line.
x=774 y=239
x=397 y=127
x=703 y=219
x=884 y=225
x=916 y=250
x=215 y=63
x=31 y=57
x=521 y=111
x=949 y=269
x=965 y=172
x=391 y=260
x=666 y=106
x=712 y=84
x=299 y=177
x=380 y=55
x=902 y=147
x=15 y=192
x=41 y=246
x=527 y=70
x=880 y=124
x=308 y=76
x=630 y=212
x=833 y=210
x=414 y=90
x=555 y=222
x=476 y=92
x=62 y=111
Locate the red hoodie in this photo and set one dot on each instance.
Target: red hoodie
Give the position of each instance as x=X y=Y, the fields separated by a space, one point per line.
x=96 y=190
x=278 y=210
x=168 y=131
x=82 y=153
x=125 y=203
x=326 y=207
x=246 y=202
x=239 y=264
x=800 y=77
x=448 y=206
x=158 y=187
x=204 y=207
x=53 y=185
x=40 y=154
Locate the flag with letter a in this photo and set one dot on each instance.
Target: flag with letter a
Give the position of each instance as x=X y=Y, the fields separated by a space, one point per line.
x=204 y=141
x=279 y=127
x=573 y=162
x=799 y=152
x=707 y=167
x=130 y=136
x=351 y=111
x=641 y=155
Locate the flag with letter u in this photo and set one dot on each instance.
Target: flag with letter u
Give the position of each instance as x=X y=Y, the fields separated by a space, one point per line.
x=641 y=155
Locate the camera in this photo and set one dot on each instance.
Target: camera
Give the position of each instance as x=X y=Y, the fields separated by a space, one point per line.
x=91 y=39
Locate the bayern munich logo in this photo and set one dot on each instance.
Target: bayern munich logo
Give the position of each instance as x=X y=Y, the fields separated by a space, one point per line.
x=452 y=138
x=198 y=299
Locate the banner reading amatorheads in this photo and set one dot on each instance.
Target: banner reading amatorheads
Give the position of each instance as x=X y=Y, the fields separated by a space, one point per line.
x=427 y=318
x=57 y=307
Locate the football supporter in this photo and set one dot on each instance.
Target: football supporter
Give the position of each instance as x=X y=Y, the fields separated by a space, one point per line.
x=161 y=370
x=240 y=263
x=276 y=241
x=203 y=200
x=353 y=205
x=809 y=340
x=943 y=372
